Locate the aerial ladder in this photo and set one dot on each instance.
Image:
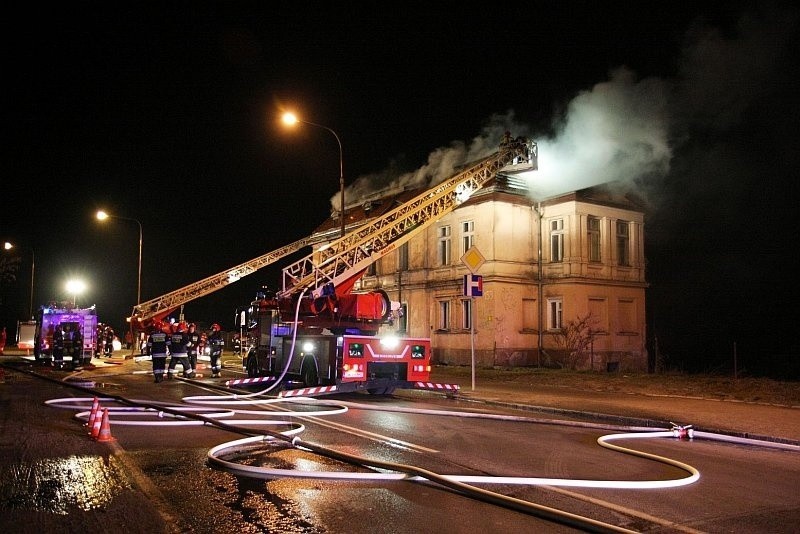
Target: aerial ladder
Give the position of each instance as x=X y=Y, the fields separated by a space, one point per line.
x=155 y=309
x=333 y=268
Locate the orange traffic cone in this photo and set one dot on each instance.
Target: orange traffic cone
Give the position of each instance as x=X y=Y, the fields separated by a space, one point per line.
x=93 y=414
x=105 y=429
x=96 y=424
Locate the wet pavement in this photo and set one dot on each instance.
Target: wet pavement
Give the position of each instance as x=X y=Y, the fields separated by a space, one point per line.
x=49 y=471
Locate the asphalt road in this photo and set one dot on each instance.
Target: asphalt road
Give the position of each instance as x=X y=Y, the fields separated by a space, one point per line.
x=44 y=440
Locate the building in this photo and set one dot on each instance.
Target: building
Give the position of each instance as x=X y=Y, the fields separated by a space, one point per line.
x=563 y=279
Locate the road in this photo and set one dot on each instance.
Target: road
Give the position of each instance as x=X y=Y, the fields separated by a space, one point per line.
x=155 y=474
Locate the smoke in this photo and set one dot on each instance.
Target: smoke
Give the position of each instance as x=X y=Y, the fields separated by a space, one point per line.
x=628 y=131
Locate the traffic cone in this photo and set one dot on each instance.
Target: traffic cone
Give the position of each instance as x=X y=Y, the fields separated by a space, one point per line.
x=93 y=414
x=97 y=423
x=105 y=429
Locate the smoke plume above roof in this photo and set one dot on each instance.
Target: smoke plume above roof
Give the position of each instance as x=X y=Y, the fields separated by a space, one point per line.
x=630 y=131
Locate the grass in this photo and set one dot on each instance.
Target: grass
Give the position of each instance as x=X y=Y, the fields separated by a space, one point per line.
x=763 y=390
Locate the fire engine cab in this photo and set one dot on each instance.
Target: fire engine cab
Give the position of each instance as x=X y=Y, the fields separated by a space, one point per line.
x=343 y=355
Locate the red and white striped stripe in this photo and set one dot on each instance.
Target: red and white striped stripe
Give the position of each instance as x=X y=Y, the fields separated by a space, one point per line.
x=433 y=385
x=304 y=392
x=245 y=381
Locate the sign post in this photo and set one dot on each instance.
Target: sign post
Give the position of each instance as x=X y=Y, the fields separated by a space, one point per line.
x=473 y=287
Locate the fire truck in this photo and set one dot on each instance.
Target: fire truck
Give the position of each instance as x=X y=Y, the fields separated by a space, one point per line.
x=316 y=329
x=53 y=316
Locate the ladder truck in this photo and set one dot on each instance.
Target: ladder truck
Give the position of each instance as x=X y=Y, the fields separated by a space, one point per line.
x=319 y=332
x=316 y=329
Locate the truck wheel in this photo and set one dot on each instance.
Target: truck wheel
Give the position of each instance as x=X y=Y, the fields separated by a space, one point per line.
x=252 y=367
x=309 y=374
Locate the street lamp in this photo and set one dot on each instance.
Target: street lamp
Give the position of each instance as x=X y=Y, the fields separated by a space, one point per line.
x=102 y=216
x=9 y=246
x=75 y=287
x=290 y=119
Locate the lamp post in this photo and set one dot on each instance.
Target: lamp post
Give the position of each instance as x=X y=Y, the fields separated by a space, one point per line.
x=290 y=119
x=9 y=246
x=102 y=216
x=75 y=287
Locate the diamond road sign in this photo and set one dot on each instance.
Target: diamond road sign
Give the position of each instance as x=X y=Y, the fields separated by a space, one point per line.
x=473 y=259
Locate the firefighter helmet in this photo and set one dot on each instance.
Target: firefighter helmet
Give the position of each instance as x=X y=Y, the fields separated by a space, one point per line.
x=215 y=327
x=181 y=326
x=192 y=325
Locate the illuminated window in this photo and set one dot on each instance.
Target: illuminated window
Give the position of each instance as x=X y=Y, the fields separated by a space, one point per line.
x=623 y=243
x=444 y=314
x=557 y=240
x=466 y=314
x=593 y=228
x=444 y=245
x=467 y=236
x=554 y=314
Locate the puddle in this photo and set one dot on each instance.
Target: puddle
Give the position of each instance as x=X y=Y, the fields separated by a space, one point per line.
x=61 y=485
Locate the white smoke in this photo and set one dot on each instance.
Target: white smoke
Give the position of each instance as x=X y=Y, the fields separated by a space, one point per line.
x=626 y=130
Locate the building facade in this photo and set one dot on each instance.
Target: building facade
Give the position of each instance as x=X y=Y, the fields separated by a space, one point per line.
x=563 y=280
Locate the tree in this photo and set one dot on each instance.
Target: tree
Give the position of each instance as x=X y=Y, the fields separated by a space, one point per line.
x=575 y=338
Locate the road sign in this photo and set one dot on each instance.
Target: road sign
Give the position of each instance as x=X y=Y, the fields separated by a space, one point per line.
x=473 y=259
x=473 y=285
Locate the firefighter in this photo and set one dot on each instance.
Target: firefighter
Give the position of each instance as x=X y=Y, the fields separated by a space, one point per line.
x=216 y=342
x=109 y=341
x=58 y=347
x=192 y=347
x=77 y=348
x=157 y=349
x=178 y=347
x=237 y=345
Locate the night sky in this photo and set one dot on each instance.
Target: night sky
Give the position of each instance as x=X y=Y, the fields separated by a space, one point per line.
x=167 y=113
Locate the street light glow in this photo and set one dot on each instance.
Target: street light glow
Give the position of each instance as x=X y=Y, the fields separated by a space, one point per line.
x=75 y=287
x=9 y=246
x=290 y=119
x=102 y=216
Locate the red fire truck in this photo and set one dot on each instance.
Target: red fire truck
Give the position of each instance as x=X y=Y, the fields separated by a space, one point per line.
x=316 y=329
x=327 y=355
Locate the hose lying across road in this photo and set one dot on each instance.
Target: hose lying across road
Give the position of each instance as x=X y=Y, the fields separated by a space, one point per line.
x=209 y=410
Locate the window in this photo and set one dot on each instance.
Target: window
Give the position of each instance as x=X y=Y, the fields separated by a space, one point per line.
x=402 y=320
x=627 y=316
x=557 y=240
x=402 y=257
x=467 y=236
x=623 y=243
x=444 y=314
x=554 y=314
x=466 y=314
x=593 y=229
x=529 y=314
x=372 y=269
x=444 y=245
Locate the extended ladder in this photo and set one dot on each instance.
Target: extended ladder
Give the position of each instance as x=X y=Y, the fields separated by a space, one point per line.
x=346 y=258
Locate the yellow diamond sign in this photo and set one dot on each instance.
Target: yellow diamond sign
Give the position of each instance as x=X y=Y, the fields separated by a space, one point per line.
x=473 y=259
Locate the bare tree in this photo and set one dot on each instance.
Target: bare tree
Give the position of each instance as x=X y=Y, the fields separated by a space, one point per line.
x=575 y=338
